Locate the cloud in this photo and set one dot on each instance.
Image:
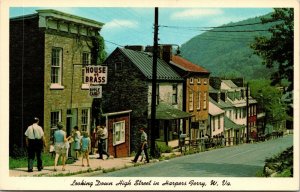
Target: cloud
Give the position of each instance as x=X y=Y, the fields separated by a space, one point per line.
x=118 y=23
x=195 y=13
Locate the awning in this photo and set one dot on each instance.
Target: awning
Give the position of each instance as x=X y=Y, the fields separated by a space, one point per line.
x=167 y=112
x=231 y=125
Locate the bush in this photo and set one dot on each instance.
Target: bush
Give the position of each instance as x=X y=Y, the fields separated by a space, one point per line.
x=163 y=148
x=18 y=152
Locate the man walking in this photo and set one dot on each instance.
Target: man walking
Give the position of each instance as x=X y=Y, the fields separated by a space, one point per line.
x=143 y=146
x=35 y=141
x=102 y=137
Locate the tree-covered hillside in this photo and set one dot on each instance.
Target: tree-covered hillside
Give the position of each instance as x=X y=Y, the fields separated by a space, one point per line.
x=228 y=54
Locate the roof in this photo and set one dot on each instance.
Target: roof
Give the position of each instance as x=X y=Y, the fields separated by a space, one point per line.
x=229 y=124
x=186 y=65
x=212 y=90
x=229 y=83
x=167 y=112
x=51 y=13
x=221 y=104
x=144 y=62
x=214 y=109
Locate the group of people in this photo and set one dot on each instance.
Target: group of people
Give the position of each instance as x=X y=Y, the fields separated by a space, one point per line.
x=81 y=141
x=35 y=141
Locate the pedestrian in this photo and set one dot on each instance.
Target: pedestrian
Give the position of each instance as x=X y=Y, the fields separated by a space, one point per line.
x=85 y=148
x=35 y=141
x=143 y=146
x=93 y=141
x=60 y=145
x=102 y=138
x=76 y=143
x=142 y=156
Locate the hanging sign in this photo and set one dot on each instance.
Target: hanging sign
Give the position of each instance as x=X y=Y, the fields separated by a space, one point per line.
x=95 y=74
x=96 y=91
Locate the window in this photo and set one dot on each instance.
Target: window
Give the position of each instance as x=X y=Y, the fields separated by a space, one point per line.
x=204 y=100
x=55 y=118
x=86 y=60
x=199 y=101
x=199 y=81
x=56 y=66
x=118 y=132
x=204 y=81
x=219 y=122
x=213 y=123
x=191 y=100
x=118 y=66
x=174 y=94
x=191 y=80
x=84 y=119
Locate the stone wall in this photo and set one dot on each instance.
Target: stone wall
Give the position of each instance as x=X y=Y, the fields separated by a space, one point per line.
x=126 y=89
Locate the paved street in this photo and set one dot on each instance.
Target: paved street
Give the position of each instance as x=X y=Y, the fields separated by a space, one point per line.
x=238 y=161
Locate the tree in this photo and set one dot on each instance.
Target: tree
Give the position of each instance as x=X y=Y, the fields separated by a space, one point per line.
x=277 y=49
x=269 y=99
x=98 y=55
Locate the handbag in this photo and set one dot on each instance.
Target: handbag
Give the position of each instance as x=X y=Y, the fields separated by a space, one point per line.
x=52 y=149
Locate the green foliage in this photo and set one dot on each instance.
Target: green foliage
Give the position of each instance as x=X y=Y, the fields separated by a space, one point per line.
x=228 y=54
x=98 y=53
x=18 y=152
x=277 y=50
x=47 y=158
x=163 y=148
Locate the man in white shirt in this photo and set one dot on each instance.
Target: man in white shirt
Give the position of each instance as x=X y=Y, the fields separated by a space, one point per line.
x=35 y=142
x=102 y=137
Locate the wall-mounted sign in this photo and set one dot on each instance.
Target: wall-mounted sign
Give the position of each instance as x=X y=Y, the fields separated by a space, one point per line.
x=96 y=91
x=95 y=74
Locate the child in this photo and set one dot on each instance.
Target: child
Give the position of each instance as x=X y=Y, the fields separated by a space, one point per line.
x=85 y=147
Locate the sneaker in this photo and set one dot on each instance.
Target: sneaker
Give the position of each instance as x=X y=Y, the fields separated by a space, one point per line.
x=30 y=170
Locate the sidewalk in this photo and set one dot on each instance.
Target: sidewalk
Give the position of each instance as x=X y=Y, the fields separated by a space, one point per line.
x=98 y=165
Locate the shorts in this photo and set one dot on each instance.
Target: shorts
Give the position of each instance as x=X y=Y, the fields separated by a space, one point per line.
x=60 y=148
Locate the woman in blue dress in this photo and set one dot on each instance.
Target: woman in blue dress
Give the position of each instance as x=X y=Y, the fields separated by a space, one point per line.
x=60 y=140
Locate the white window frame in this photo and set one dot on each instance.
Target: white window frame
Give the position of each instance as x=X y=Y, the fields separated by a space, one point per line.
x=191 y=80
x=85 y=119
x=56 y=68
x=204 y=81
x=53 y=123
x=205 y=100
x=191 y=100
x=199 y=101
x=199 y=81
x=119 y=127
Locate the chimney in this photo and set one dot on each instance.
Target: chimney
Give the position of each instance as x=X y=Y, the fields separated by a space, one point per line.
x=135 y=47
x=164 y=52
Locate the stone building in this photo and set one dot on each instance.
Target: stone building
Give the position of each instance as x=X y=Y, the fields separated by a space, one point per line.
x=48 y=50
x=130 y=88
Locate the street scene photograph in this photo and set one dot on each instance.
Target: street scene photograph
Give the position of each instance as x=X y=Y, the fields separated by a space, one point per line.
x=153 y=97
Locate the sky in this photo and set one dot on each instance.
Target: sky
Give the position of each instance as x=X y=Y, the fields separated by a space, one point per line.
x=134 y=25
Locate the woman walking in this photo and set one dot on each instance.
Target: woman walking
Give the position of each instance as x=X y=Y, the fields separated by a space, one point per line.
x=60 y=141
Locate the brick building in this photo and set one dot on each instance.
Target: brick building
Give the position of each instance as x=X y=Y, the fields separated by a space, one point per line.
x=47 y=51
x=196 y=94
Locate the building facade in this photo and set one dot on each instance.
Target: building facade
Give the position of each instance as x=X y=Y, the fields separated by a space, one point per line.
x=48 y=52
x=129 y=87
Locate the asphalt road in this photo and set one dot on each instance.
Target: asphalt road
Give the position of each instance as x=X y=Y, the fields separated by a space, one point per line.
x=238 y=161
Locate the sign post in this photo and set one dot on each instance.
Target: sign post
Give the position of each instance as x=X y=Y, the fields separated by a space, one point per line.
x=96 y=91
x=95 y=74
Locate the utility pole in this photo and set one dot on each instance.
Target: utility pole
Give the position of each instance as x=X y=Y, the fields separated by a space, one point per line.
x=247 y=111
x=154 y=76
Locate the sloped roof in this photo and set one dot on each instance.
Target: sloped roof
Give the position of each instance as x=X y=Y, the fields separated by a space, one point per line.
x=231 y=125
x=214 y=109
x=229 y=83
x=221 y=104
x=167 y=112
x=186 y=65
x=144 y=61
